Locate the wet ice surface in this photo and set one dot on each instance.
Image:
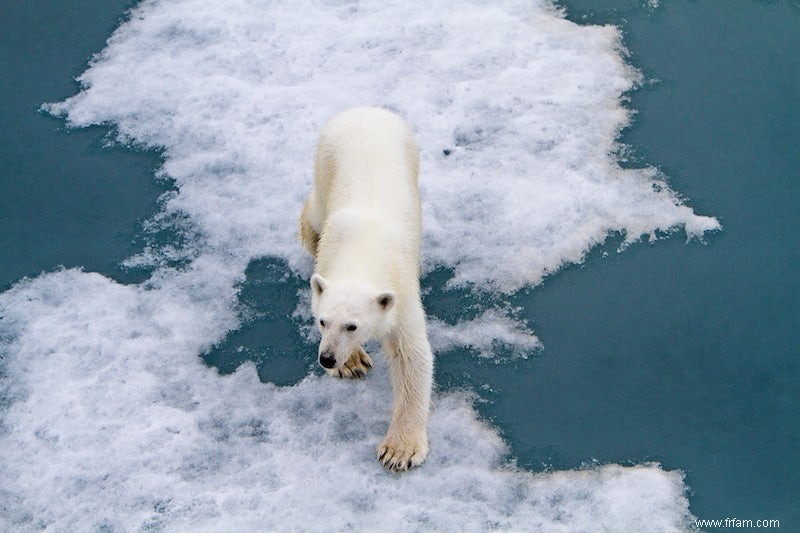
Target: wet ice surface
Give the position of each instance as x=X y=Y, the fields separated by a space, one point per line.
x=110 y=417
x=114 y=423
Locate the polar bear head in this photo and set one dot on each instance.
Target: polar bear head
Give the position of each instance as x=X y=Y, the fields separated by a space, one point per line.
x=348 y=313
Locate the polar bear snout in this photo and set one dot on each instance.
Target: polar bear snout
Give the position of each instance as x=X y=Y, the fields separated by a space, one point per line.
x=327 y=359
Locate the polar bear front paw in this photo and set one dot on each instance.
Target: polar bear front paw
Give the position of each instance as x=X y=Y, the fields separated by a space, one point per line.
x=400 y=454
x=354 y=368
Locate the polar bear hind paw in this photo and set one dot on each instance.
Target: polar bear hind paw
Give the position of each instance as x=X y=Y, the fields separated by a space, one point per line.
x=354 y=368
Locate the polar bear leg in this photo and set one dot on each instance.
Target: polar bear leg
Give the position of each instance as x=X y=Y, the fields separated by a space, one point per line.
x=355 y=367
x=411 y=362
x=308 y=235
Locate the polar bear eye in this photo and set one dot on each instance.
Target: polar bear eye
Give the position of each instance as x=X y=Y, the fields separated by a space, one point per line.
x=321 y=323
x=351 y=327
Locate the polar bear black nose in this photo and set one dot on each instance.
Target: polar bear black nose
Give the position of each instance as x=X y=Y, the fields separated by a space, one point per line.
x=327 y=359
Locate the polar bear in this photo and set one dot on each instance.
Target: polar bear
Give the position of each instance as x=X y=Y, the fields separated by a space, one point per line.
x=362 y=223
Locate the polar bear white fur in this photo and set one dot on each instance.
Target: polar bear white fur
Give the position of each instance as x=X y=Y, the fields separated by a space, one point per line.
x=362 y=222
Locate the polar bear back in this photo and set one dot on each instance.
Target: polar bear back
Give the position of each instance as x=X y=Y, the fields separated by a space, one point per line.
x=367 y=161
x=366 y=204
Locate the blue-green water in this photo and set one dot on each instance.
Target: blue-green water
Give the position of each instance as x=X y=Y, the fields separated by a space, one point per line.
x=66 y=198
x=681 y=354
x=697 y=347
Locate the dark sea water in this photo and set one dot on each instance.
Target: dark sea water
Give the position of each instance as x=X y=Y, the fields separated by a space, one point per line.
x=681 y=353
x=67 y=199
x=692 y=358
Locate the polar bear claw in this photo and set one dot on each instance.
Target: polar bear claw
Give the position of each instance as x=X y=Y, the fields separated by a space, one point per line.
x=399 y=456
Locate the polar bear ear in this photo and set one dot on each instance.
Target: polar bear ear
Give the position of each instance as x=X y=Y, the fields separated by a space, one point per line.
x=318 y=284
x=386 y=300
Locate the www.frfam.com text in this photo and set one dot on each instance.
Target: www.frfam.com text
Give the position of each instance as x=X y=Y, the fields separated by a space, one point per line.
x=737 y=523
